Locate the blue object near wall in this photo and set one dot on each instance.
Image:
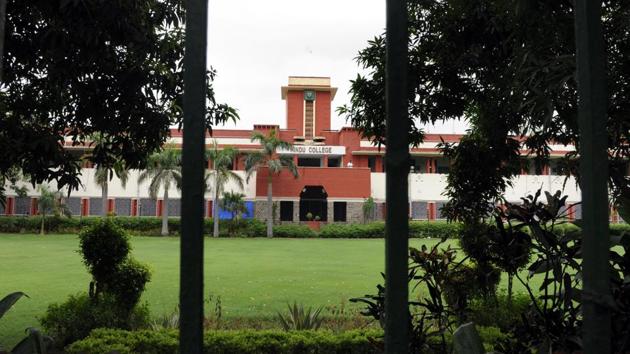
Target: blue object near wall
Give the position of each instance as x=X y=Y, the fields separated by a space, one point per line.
x=225 y=215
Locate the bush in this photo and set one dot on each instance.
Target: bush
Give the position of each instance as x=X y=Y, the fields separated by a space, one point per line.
x=104 y=247
x=75 y=318
x=498 y=312
x=372 y=230
x=417 y=229
x=294 y=231
x=131 y=278
x=227 y=342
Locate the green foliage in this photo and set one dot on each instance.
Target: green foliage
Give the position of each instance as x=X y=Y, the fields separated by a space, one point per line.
x=508 y=68
x=465 y=282
x=9 y=300
x=105 y=249
x=75 y=318
x=130 y=280
x=417 y=229
x=35 y=342
x=298 y=318
x=368 y=208
x=124 y=80
x=117 y=283
x=372 y=230
x=227 y=342
x=104 y=246
x=500 y=312
x=268 y=158
x=294 y=231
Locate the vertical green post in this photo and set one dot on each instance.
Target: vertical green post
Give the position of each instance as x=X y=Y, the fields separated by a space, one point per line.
x=397 y=163
x=193 y=165
x=591 y=75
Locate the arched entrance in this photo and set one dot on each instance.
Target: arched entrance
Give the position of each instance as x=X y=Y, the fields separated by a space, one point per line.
x=314 y=200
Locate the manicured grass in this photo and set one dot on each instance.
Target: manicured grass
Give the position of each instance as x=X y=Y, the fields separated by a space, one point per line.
x=254 y=277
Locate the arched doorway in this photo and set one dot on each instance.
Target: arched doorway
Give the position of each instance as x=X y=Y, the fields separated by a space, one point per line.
x=314 y=200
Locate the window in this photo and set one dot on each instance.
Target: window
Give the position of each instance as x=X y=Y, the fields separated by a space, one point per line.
x=372 y=163
x=340 y=211
x=334 y=161
x=286 y=210
x=309 y=162
x=443 y=165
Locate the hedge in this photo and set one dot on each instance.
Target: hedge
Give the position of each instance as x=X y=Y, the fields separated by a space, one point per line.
x=148 y=225
x=417 y=229
x=138 y=225
x=104 y=341
x=107 y=341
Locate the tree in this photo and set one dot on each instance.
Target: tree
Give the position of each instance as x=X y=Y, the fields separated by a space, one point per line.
x=75 y=68
x=163 y=170
x=222 y=160
x=234 y=204
x=103 y=175
x=50 y=202
x=368 y=209
x=508 y=68
x=274 y=163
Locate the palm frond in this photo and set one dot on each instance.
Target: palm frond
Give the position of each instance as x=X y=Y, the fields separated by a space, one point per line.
x=289 y=164
x=253 y=161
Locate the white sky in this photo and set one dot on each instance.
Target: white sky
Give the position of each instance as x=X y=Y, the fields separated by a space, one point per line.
x=256 y=45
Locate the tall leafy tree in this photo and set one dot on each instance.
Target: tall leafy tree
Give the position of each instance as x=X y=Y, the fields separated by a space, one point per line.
x=75 y=68
x=268 y=158
x=508 y=68
x=163 y=171
x=222 y=173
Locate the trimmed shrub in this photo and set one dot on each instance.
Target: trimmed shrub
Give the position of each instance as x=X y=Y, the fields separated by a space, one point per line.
x=104 y=246
x=294 y=231
x=106 y=341
x=75 y=318
x=259 y=342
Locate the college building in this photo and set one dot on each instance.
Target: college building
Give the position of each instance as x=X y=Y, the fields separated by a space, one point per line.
x=338 y=171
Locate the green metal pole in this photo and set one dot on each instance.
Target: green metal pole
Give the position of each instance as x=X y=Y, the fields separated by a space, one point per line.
x=591 y=70
x=397 y=163
x=193 y=165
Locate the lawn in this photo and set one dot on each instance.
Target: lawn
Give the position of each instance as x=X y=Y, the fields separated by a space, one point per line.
x=254 y=277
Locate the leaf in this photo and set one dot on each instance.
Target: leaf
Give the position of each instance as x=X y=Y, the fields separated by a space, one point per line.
x=7 y=302
x=540 y=266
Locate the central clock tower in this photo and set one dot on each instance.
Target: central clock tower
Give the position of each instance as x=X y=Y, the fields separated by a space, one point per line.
x=308 y=108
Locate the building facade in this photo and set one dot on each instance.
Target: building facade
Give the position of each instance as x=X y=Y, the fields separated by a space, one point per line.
x=338 y=171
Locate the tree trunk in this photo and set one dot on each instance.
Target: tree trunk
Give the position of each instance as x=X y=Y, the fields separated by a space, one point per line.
x=41 y=232
x=3 y=14
x=269 y=208
x=165 y=213
x=509 y=294
x=215 y=207
x=104 y=192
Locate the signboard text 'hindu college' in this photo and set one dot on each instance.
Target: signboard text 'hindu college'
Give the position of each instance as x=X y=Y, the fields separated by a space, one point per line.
x=314 y=150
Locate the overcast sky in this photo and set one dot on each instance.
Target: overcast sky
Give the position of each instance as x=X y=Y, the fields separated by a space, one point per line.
x=256 y=45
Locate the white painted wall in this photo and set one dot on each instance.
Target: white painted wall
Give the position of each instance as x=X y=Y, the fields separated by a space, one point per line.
x=134 y=189
x=431 y=186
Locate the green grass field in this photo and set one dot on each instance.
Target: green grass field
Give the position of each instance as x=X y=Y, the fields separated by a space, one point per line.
x=254 y=277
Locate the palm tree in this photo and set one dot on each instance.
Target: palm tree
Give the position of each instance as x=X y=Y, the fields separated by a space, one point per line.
x=235 y=205
x=274 y=163
x=221 y=162
x=103 y=175
x=163 y=170
x=50 y=202
x=105 y=170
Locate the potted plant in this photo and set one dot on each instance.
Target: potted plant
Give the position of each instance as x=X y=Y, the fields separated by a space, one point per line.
x=312 y=222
